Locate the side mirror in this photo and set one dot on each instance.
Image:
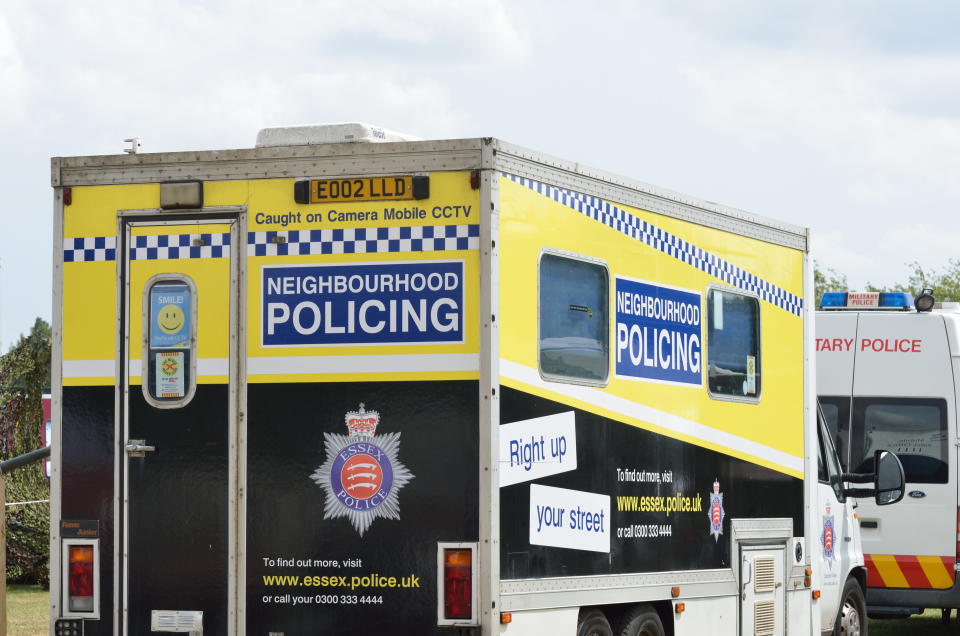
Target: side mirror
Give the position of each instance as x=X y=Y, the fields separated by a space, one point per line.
x=889 y=479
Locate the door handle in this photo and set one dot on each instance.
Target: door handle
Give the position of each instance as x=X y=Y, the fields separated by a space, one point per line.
x=747 y=576
x=137 y=448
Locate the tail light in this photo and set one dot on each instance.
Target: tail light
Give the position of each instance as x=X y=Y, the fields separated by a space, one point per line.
x=958 y=535
x=81 y=580
x=456 y=584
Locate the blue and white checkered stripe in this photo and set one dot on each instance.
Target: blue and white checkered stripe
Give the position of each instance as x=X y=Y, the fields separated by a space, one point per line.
x=383 y=240
x=89 y=249
x=174 y=246
x=649 y=234
x=379 y=240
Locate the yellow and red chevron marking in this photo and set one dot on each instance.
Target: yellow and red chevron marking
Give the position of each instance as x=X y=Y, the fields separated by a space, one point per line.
x=897 y=570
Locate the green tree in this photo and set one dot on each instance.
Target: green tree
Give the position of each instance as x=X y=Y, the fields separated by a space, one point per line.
x=945 y=283
x=24 y=374
x=825 y=280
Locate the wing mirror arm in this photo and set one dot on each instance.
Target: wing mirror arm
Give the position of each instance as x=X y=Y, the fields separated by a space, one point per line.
x=888 y=480
x=859 y=478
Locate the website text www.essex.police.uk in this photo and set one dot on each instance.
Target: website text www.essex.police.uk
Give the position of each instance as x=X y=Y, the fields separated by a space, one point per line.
x=349 y=582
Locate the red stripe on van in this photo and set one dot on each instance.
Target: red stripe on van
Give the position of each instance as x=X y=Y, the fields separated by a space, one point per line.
x=906 y=571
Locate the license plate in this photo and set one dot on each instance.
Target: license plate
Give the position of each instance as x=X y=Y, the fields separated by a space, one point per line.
x=361 y=189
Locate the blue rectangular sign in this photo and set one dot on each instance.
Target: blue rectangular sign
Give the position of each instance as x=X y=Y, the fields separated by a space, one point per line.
x=659 y=333
x=362 y=304
x=170 y=313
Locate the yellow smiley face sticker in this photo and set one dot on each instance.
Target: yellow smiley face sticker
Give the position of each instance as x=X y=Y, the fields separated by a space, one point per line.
x=170 y=319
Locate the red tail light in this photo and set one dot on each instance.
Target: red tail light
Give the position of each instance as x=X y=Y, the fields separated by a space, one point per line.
x=80 y=581
x=958 y=535
x=457 y=584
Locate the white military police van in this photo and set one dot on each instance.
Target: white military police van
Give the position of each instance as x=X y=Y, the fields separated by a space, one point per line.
x=886 y=378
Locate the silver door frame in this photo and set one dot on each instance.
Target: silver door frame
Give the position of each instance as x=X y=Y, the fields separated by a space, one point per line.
x=236 y=217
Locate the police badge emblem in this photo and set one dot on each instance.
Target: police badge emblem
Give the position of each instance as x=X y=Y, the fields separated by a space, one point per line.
x=362 y=474
x=715 y=511
x=827 y=538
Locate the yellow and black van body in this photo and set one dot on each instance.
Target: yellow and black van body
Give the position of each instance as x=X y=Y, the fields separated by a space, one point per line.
x=422 y=387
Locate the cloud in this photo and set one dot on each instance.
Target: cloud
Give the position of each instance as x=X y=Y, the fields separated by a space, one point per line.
x=13 y=96
x=876 y=26
x=847 y=112
x=841 y=252
x=188 y=74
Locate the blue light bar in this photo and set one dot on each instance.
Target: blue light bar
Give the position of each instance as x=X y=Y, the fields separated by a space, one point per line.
x=833 y=299
x=896 y=299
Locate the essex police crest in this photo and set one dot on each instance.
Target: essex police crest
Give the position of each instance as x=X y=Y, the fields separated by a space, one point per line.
x=362 y=474
x=827 y=537
x=715 y=511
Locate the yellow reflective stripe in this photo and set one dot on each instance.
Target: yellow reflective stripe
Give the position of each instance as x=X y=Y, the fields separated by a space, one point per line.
x=936 y=572
x=889 y=571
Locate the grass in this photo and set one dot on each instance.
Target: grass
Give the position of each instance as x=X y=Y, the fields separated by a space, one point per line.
x=926 y=624
x=28 y=610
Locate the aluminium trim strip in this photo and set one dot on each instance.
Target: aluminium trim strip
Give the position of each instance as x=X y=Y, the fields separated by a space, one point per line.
x=489 y=399
x=531 y=156
x=646 y=197
x=463 y=154
x=56 y=410
x=527 y=594
x=239 y=416
x=318 y=161
x=634 y=410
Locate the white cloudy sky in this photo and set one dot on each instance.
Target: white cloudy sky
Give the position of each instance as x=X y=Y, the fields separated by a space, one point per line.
x=840 y=116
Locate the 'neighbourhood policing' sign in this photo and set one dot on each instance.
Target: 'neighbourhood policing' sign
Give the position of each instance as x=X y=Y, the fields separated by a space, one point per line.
x=658 y=333
x=357 y=304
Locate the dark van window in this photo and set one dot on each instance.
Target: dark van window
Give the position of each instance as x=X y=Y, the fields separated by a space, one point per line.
x=573 y=319
x=913 y=428
x=836 y=410
x=828 y=468
x=733 y=344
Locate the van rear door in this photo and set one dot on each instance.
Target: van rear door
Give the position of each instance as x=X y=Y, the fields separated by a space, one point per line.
x=904 y=401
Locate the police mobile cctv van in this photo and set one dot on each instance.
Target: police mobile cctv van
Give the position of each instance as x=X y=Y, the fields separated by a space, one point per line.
x=350 y=382
x=887 y=371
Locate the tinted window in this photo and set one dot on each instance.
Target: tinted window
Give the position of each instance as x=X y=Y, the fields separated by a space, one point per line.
x=821 y=465
x=836 y=410
x=733 y=344
x=573 y=319
x=828 y=464
x=913 y=428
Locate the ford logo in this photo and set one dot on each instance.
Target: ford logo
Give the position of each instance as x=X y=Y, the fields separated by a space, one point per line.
x=917 y=494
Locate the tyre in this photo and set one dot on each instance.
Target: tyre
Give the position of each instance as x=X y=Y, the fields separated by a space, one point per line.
x=643 y=620
x=852 y=614
x=593 y=623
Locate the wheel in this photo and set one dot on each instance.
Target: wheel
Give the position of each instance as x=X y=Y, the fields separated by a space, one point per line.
x=643 y=620
x=945 y=616
x=852 y=615
x=593 y=623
